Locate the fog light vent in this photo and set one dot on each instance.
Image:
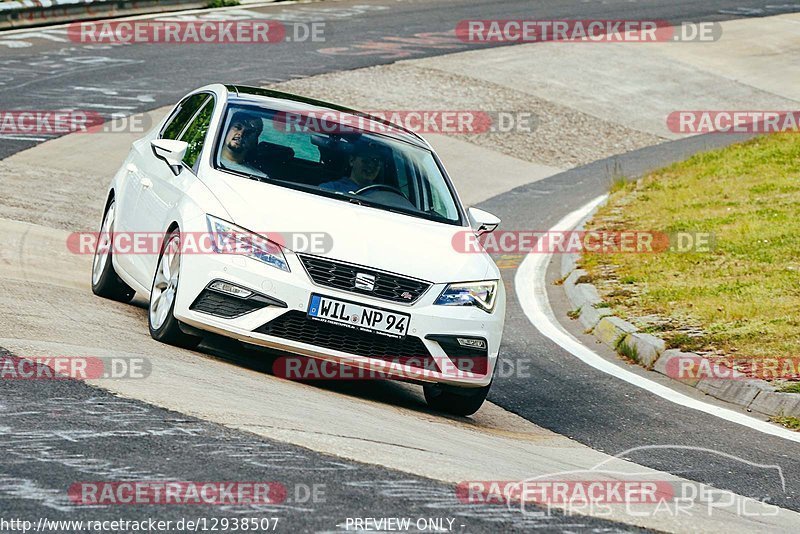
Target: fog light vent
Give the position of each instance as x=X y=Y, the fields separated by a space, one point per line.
x=472 y=343
x=230 y=289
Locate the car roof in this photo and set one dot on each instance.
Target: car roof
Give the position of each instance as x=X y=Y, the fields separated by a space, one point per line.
x=281 y=101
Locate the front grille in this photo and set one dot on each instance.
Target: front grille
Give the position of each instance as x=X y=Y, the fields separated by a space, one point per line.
x=297 y=326
x=342 y=276
x=222 y=305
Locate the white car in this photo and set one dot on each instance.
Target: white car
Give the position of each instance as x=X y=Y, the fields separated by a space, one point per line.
x=332 y=239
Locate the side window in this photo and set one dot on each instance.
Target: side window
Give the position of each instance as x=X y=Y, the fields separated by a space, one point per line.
x=183 y=115
x=195 y=134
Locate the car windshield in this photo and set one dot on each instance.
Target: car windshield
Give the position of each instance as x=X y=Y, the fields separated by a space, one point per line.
x=334 y=160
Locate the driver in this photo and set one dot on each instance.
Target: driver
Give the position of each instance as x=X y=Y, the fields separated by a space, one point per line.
x=365 y=166
x=241 y=139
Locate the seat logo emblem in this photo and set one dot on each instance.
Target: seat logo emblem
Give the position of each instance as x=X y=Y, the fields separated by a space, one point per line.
x=365 y=282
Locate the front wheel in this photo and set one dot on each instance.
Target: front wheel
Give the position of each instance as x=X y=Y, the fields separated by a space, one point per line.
x=105 y=280
x=456 y=401
x=163 y=325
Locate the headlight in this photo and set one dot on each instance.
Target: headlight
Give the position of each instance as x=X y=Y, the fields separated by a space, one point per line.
x=480 y=294
x=227 y=238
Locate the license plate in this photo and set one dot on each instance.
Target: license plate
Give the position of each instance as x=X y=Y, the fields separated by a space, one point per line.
x=358 y=316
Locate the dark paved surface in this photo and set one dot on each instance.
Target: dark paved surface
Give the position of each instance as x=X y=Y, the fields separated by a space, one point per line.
x=43 y=69
x=562 y=394
x=54 y=434
x=565 y=395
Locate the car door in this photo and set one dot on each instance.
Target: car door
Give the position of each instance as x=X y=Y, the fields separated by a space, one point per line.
x=126 y=196
x=161 y=189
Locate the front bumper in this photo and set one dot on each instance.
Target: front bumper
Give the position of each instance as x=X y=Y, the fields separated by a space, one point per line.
x=295 y=289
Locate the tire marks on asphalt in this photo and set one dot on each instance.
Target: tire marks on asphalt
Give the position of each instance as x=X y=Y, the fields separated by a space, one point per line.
x=57 y=433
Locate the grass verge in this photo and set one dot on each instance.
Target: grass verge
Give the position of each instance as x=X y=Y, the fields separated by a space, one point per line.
x=222 y=3
x=792 y=423
x=742 y=297
x=792 y=387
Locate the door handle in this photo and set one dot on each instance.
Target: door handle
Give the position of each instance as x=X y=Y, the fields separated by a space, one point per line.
x=147 y=183
x=131 y=168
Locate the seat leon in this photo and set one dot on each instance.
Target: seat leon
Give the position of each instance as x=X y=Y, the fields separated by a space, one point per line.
x=330 y=235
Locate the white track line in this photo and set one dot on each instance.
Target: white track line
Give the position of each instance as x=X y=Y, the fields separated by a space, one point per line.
x=530 y=285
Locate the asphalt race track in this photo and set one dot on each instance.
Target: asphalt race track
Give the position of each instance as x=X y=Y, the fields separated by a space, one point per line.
x=137 y=78
x=56 y=433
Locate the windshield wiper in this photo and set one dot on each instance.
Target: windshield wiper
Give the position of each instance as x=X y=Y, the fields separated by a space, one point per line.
x=378 y=205
x=436 y=216
x=345 y=197
x=362 y=201
x=429 y=214
x=252 y=176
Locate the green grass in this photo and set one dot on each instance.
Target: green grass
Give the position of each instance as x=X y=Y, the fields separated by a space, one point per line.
x=222 y=3
x=792 y=423
x=743 y=294
x=629 y=351
x=618 y=183
x=574 y=314
x=792 y=387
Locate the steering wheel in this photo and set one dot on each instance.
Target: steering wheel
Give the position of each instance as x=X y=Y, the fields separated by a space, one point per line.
x=380 y=187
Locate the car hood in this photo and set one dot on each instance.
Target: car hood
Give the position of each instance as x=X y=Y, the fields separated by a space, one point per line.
x=358 y=234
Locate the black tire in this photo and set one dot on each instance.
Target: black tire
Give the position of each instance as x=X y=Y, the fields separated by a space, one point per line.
x=167 y=329
x=106 y=282
x=455 y=401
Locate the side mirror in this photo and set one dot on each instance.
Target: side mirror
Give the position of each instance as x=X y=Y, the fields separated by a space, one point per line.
x=170 y=152
x=481 y=221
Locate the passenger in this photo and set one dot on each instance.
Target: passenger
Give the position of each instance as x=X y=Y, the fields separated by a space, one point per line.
x=239 y=142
